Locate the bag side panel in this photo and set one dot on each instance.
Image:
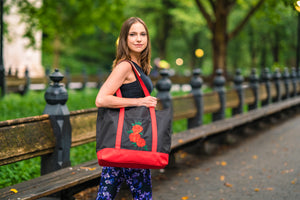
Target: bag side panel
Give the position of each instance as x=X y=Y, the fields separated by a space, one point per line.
x=164 y=129
x=106 y=128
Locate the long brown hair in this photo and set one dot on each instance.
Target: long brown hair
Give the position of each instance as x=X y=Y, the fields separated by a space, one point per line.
x=122 y=50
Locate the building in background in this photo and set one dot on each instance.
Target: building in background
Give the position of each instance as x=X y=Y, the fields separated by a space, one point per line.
x=15 y=53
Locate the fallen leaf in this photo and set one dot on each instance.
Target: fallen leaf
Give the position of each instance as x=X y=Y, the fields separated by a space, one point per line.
x=227 y=184
x=269 y=189
x=180 y=141
x=223 y=163
x=88 y=168
x=14 y=190
x=183 y=155
x=222 y=178
x=197 y=178
x=186 y=180
x=254 y=157
x=294 y=181
x=250 y=177
x=256 y=189
x=184 y=198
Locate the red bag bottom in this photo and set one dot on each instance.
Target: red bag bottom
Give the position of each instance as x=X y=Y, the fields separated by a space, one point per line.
x=125 y=158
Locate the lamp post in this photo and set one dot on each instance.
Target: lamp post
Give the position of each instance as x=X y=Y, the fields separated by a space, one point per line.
x=2 y=70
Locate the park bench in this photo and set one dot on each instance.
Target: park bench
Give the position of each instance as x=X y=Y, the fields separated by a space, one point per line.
x=30 y=137
x=18 y=85
x=21 y=85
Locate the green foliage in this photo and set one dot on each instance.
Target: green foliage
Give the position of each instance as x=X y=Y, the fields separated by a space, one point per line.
x=20 y=171
x=87 y=31
x=16 y=106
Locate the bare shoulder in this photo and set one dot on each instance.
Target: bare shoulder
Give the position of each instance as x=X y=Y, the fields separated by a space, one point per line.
x=123 y=66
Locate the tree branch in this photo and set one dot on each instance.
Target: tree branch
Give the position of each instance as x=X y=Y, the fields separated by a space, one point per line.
x=213 y=5
x=245 y=20
x=205 y=14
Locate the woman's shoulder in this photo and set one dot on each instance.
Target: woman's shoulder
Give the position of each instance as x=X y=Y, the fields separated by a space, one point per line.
x=123 y=66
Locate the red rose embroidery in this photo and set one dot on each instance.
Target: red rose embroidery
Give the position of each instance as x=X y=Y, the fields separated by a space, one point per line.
x=140 y=142
x=135 y=135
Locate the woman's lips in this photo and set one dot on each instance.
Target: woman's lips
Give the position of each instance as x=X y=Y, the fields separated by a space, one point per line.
x=138 y=45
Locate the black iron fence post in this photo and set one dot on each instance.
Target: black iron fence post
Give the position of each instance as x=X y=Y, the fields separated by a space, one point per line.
x=286 y=81
x=67 y=77
x=85 y=78
x=28 y=81
x=196 y=83
x=266 y=78
x=56 y=97
x=163 y=87
x=294 y=81
x=298 y=76
x=254 y=85
x=219 y=87
x=277 y=81
x=238 y=86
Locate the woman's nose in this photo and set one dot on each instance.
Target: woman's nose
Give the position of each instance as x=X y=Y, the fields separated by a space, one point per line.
x=139 y=38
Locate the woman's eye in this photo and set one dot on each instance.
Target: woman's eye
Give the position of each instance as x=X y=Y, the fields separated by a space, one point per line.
x=131 y=34
x=144 y=34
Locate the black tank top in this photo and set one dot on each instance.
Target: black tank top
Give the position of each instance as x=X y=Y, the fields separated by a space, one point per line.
x=134 y=89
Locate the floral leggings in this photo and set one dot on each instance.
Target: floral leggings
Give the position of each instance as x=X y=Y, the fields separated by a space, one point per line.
x=139 y=181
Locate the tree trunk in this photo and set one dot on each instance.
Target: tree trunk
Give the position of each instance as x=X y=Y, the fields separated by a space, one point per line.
x=219 y=44
x=252 y=48
x=217 y=23
x=220 y=38
x=164 y=28
x=276 y=47
x=194 y=45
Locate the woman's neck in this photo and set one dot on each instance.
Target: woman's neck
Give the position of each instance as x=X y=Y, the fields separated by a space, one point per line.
x=135 y=59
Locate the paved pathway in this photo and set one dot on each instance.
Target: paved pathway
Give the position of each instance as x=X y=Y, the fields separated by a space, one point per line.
x=265 y=166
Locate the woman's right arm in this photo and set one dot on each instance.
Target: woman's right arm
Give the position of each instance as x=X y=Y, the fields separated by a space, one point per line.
x=122 y=73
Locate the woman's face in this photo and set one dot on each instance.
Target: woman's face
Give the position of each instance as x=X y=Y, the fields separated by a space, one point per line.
x=137 y=38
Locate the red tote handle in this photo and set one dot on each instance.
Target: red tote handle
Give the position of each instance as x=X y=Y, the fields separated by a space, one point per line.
x=122 y=114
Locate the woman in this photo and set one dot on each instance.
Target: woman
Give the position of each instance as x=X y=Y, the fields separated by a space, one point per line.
x=134 y=46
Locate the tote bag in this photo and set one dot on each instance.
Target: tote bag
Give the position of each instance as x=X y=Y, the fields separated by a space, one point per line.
x=137 y=137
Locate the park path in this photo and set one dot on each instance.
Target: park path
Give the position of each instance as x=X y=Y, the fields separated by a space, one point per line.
x=264 y=165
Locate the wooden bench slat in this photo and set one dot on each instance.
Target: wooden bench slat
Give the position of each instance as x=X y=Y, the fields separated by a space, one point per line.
x=203 y=131
x=282 y=89
x=211 y=102
x=53 y=182
x=184 y=107
x=25 y=138
x=38 y=80
x=249 y=96
x=262 y=93
x=83 y=124
x=273 y=91
x=232 y=99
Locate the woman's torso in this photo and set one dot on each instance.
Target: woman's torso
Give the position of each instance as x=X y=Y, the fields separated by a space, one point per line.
x=133 y=89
